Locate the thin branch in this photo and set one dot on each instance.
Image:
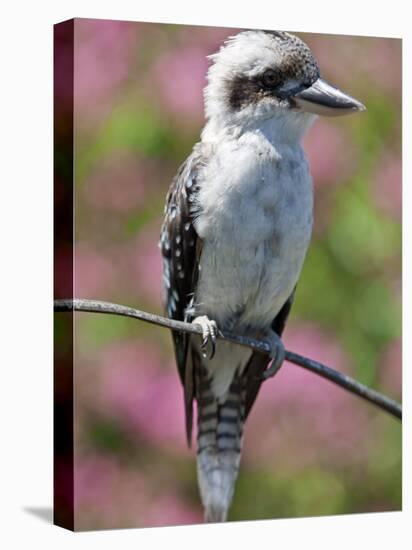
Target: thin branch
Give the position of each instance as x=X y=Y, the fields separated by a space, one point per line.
x=346 y=382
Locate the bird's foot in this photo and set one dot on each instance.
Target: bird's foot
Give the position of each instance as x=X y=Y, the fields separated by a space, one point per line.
x=209 y=334
x=277 y=354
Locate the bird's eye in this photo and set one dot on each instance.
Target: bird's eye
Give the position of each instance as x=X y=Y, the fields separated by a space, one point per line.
x=270 y=78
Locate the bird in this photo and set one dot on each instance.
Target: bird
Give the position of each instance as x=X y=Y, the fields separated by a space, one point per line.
x=237 y=226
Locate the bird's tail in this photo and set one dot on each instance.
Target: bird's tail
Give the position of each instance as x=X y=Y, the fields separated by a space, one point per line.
x=219 y=442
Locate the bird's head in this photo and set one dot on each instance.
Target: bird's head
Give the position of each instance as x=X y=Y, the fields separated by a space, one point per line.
x=261 y=75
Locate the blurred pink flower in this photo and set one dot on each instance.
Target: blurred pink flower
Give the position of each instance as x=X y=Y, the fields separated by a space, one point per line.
x=104 y=51
x=387 y=185
x=111 y=494
x=390 y=368
x=93 y=273
x=180 y=77
x=208 y=38
x=94 y=479
x=169 y=509
x=299 y=410
x=137 y=390
x=330 y=154
x=117 y=184
x=146 y=264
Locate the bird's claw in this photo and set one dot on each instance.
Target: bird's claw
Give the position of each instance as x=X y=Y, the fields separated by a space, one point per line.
x=209 y=334
x=277 y=354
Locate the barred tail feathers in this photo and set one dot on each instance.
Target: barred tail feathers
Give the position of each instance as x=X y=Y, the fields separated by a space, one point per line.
x=219 y=441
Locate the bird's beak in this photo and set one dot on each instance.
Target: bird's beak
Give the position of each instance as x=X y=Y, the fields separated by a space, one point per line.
x=324 y=99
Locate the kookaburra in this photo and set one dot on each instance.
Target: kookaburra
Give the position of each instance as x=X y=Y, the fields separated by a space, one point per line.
x=238 y=221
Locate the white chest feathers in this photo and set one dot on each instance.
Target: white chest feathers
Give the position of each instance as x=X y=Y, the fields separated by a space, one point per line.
x=255 y=220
